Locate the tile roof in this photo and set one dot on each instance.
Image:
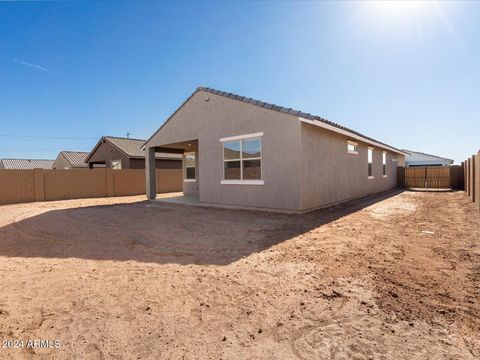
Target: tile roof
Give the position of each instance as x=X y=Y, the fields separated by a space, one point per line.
x=22 y=164
x=274 y=107
x=287 y=111
x=75 y=158
x=420 y=156
x=132 y=148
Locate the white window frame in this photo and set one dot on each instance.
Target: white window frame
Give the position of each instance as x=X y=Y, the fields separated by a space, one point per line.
x=384 y=164
x=240 y=181
x=195 y=167
x=370 y=149
x=355 y=144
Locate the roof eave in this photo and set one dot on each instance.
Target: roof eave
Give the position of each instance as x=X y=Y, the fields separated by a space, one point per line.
x=351 y=135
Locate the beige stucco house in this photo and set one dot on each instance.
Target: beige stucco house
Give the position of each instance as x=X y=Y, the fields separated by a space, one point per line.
x=242 y=152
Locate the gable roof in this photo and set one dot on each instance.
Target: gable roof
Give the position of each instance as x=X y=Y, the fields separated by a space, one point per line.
x=420 y=157
x=75 y=158
x=132 y=148
x=26 y=164
x=303 y=116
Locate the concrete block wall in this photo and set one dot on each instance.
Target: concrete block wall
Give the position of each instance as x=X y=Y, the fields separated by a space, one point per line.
x=19 y=186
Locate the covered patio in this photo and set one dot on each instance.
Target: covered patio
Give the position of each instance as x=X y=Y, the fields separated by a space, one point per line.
x=189 y=150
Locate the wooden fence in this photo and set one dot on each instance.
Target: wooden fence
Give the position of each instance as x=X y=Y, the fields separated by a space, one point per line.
x=472 y=178
x=451 y=177
x=17 y=186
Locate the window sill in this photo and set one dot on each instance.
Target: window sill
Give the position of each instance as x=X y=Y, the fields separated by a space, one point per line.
x=385 y=176
x=242 y=182
x=353 y=152
x=371 y=177
x=189 y=180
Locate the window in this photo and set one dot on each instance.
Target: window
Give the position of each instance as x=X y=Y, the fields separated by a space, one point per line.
x=242 y=159
x=190 y=175
x=370 y=163
x=116 y=164
x=352 y=147
x=384 y=162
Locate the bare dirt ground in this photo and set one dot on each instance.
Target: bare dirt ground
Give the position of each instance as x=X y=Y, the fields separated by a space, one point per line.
x=396 y=277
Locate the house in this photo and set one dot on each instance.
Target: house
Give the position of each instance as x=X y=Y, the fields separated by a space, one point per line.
x=26 y=164
x=246 y=153
x=70 y=160
x=415 y=158
x=124 y=153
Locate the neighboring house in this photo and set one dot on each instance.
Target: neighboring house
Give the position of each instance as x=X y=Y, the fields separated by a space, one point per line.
x=70 y=160
x=251 y=154
x=415 y=158
x=25 y=164
x=123 y=153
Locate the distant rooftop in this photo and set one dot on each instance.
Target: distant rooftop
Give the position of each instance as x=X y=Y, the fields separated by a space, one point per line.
x=75 y=158
x=420 y=158
x=25 y=164
x=132 y=148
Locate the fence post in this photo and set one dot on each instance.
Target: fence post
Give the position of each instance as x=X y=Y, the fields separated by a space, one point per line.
x=477 y=179
x=400 y=176
x=39 y=184
x=472 y=178
x=467 y=176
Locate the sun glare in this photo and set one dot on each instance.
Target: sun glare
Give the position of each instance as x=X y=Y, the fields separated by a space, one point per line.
x=401 y=8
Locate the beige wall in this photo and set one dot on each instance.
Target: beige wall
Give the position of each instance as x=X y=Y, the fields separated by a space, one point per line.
x=303 y=166
x=208 y=118
x=18 y=186
x=331 y=175
x=61 y=162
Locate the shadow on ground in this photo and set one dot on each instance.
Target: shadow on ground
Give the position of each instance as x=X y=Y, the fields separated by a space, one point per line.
x=162 y=233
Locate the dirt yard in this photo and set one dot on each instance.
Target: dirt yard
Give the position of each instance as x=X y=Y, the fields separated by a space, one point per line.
x=395 y=277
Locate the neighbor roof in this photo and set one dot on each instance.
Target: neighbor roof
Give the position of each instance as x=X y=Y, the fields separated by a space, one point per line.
x=75 y=158
x=132 y=148
x=25 y=164
x=302 y=115
x=420 y=157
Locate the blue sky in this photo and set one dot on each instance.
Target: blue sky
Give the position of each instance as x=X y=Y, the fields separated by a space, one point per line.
x=72 y=72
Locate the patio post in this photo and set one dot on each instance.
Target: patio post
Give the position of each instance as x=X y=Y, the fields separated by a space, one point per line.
x=150 y=173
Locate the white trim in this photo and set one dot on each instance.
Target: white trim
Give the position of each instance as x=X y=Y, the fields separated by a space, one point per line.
x=355 y=146
x=241 y=137
x=350 y=134
x=385 y=176
x=241 y=159
x=189 y=180
x=242 y=182
x=371 y=177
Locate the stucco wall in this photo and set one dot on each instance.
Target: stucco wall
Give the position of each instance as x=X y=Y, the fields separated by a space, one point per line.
x=159 y=164
x=107 y=153
x=208 y=118
x=61 y=163
x=331 y=175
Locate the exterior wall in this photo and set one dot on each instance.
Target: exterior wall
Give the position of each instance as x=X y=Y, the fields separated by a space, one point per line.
x=159 y=164
x=208 y=118
x=107 y=153
x=61 y=163
x=17 y=186
x=331 y=175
